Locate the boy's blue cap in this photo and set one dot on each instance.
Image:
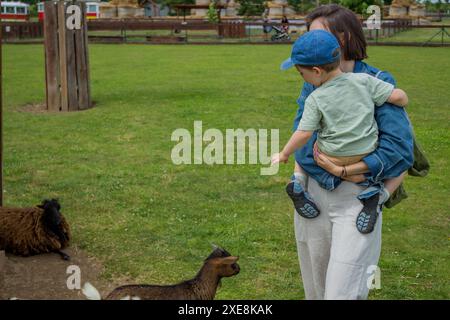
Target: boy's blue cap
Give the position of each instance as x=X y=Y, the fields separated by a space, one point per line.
x=314 y=48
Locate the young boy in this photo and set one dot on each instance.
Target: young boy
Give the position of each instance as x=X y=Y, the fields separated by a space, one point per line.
x=341 y=109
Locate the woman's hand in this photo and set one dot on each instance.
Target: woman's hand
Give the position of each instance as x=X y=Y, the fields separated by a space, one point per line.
x=326 y=164
x=334 y=169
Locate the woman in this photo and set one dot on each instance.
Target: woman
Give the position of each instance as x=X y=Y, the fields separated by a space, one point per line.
x=336 y=260
x=285 y=24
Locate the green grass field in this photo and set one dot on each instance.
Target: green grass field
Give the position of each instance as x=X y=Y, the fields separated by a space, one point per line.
x=151 y=221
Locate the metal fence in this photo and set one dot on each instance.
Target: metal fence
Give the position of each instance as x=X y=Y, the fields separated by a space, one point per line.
x=405 y=33
x=400 y=32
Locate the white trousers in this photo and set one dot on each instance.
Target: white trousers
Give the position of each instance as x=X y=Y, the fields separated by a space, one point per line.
x=336 y=260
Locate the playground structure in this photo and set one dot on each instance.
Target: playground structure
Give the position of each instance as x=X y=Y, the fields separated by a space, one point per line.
x=14 y=11
x=92 y=10
x=197 y=7
x=120 y=9
x=406 y=9
x=276 y=9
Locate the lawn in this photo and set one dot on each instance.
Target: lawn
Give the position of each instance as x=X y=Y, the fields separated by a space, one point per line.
x=148 y=220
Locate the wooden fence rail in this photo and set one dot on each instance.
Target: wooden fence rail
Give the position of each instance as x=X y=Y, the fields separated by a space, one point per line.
x=117 y=31
x=22 y=30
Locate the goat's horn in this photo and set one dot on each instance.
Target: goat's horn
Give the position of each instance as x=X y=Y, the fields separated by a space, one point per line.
x=214 y=246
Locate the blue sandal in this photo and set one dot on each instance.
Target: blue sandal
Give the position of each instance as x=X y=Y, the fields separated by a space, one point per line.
x=303 y=202
x=365 y=222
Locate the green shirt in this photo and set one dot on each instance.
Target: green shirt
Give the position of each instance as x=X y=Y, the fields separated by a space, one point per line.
x=342 y=110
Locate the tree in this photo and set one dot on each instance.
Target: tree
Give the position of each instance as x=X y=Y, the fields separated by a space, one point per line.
x=33 y=6
x=212 y=13
x=302 y=6
x=360 y=6
x=251 y=7
x=31 y=2
x=438 y=5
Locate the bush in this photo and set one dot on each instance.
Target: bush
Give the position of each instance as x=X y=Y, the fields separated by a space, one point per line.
x=212 y=13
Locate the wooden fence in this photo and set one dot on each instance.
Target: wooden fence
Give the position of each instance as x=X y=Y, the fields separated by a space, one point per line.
x=22 y=30
x=225 y=30
x=178 y=31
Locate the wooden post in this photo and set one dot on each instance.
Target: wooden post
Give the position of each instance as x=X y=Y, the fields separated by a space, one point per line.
x=66 y=56
x=1 y=116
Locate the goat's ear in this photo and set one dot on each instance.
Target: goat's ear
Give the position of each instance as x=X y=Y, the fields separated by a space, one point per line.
x=230 y=260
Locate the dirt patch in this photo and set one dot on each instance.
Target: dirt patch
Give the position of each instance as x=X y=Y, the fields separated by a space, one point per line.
x=34 y=108
x=42 y=108
x=45 y=276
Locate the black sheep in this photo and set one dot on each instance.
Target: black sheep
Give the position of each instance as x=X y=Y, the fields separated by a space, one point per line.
x=34 y=230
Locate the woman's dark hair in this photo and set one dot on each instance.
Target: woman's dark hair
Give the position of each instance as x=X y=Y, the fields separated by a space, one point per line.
x=342 y=21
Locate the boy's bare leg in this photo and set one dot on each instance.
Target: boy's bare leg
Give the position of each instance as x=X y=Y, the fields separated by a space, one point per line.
x=392 y=184
x=297 y=167
x=300 y=175
x=296 y=189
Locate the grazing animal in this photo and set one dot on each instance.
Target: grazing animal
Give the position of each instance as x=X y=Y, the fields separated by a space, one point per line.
x=34 y=230
x=203 y=286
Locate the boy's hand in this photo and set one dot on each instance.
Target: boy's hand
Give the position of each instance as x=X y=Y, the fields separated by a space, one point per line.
x=279 y=157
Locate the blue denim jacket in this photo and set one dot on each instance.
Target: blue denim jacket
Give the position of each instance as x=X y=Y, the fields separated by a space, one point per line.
x=394 y=153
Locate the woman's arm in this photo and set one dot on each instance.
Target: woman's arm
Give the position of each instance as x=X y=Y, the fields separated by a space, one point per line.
x=394 y=153
x=350 y=170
